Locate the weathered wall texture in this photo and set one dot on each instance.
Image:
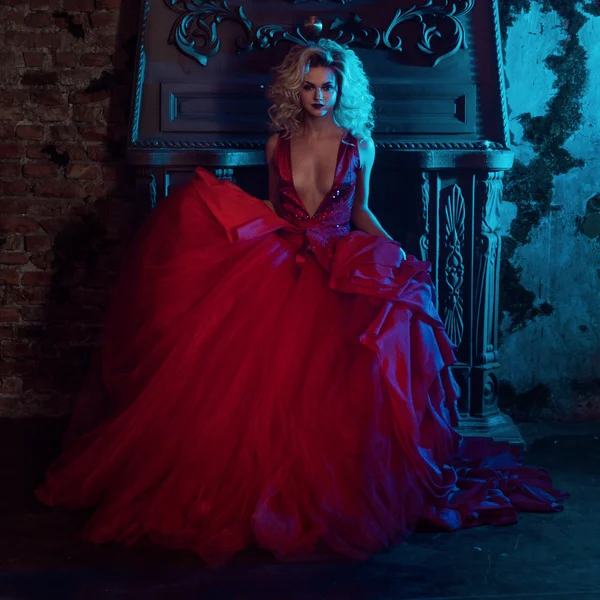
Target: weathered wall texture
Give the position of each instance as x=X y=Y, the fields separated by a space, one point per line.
x=64 y=97
x=550 y=348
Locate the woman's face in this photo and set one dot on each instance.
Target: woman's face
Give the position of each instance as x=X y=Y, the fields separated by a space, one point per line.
x=319 y=92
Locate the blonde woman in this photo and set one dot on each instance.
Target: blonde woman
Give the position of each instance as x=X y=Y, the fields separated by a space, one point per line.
x=281 y=377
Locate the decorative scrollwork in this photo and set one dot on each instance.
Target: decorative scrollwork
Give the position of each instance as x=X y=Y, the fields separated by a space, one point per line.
x=424 y=239
x=269 y=36
x=487 y=268
x=433 y=16
x=455 y=269
x=351 y=31
x=195 y=31
x=442 y=33
x=163 y=143
x=490 y=217
x=305 y=1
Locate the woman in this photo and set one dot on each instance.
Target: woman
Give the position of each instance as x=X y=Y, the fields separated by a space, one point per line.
x=272 y=377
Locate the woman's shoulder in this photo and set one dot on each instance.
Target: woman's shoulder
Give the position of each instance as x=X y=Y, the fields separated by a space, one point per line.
x=366 y=150
x=271 y=145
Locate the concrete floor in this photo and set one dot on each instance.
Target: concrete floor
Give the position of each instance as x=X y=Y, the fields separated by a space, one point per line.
x=544 y=557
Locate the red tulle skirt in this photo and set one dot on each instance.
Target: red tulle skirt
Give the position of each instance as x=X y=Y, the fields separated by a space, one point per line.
x=243 y=396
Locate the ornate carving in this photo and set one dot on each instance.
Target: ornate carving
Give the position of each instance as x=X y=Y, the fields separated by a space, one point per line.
x=195 y=31
x=199 y=19
x=269 y=36
x=487 y=269
x=139 y=75
x=145 y=188
x=162 y=143
x=305 y=1
x=424 y=239
x=500 y=73
x=351 y=32
x=434 y=16
x=227 y=174
x=455 y=269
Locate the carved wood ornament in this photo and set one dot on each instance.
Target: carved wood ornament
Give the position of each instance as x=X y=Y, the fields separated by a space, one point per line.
x=195 y=32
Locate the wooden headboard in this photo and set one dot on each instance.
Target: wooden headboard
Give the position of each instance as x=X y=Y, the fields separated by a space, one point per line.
x=441 y=134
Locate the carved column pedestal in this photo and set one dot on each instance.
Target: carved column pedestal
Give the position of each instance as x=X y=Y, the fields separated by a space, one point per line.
x=460 y=238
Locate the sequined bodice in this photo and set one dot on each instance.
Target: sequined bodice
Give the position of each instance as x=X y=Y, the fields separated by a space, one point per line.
x=332 y=217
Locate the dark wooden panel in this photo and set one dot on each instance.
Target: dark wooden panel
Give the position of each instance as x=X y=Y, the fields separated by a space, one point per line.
x=215 y=107
x=408 y=108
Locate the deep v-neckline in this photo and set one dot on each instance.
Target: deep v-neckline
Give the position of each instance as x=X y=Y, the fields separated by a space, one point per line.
x=335 y=175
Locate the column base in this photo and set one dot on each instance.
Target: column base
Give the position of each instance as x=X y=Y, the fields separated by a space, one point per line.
x=499 y=427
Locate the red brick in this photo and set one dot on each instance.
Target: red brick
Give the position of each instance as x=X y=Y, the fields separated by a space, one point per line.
x=7 y=131
x=65 y=59
x=34 y=313
x=12 y=242
x=75 y=78
x=39 y=40
x=88 y=171
x=108 y=4
x=50 y=113
x=44 y=4
x=14 y=349
x=13 y=258
x=12 y=97
x=104 y=18
x=9 y=315
x=30 y=132
x=18 y=225
x=46 y=96
x=94 y=134
x=98 y=153
x=78 y=5
x=22 y=296
x=36 y=151
x=11 y=385
x=42 y=260
x=40 y=170
x=10 y=150
x=14 y=17
x=17 y=368
x=10 y=169
x=38 y=243
x=56 y=225
x=95 y=59
x=8 y=277
x=34 y=59
x=6 y=332
x=87 y=113
x=7 y=59
x=107 y=40
x=15 y=187
x=56 y=189
x=88 y=97
x=14 y=206
x=39 y=19
x=44 y=207
x=11 y=113
x=64 y=133
x=35 y=278
x=77 y=19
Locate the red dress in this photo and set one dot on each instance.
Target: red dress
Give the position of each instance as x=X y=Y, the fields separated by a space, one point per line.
x=278 y=380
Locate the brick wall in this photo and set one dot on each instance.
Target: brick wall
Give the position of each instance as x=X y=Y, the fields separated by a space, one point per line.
x=66 y=203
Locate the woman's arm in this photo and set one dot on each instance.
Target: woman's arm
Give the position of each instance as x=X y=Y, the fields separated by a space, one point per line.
x=273 y=200
x=362 y=217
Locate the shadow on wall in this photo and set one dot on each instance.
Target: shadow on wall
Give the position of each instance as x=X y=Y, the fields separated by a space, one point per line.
x=61 y=331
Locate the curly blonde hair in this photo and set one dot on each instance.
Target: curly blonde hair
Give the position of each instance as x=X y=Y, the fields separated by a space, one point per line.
x=354 y=107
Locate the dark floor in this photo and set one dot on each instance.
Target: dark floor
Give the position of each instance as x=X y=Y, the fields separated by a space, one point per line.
x=544 y=557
